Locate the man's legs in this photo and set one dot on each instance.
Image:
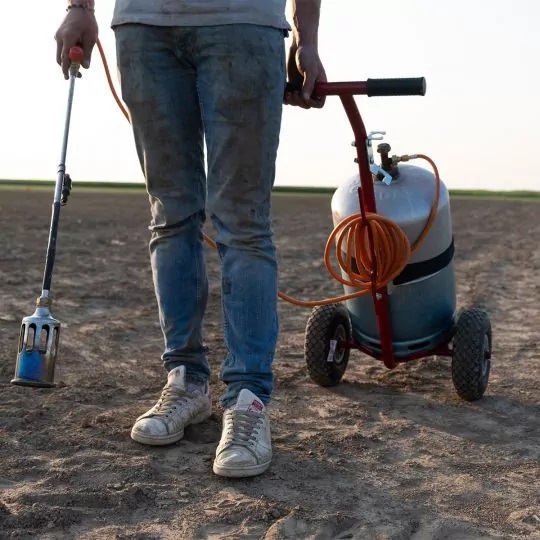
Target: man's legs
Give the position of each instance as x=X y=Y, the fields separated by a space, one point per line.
x=241 y=80
x=159 y=87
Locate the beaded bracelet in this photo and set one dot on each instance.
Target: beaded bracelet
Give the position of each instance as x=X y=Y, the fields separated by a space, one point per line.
x=82 y=4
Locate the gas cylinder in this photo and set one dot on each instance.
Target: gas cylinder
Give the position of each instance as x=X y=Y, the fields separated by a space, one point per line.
x=423 y=296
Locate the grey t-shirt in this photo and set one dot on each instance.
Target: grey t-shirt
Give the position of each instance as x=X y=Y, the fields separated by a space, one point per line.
x=201 y=12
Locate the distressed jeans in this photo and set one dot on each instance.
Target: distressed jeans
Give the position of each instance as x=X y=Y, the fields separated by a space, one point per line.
x=222 y=85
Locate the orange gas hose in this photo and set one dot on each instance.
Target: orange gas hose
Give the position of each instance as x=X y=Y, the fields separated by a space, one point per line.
x=391 y=246
x=392 y=249
x=109 y=80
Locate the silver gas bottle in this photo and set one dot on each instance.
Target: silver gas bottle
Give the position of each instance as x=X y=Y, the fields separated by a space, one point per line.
x=423 y=296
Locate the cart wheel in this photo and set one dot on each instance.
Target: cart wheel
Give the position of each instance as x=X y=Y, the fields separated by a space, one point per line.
x=326 y=361
x=471 y=361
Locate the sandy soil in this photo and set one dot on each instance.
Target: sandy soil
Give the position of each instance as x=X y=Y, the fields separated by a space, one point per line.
x=384 y=455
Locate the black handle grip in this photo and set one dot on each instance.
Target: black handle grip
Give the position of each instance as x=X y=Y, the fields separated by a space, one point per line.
x=290 y=87
x=415 y=86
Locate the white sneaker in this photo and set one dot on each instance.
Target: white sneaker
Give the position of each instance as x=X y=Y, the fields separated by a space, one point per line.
x=245 y=448
x=179 y=406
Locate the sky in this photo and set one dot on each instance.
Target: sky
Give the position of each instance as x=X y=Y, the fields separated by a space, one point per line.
x=479 y=119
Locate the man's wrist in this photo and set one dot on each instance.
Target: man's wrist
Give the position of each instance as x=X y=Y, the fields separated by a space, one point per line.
x=87 y=5
x=306 y=14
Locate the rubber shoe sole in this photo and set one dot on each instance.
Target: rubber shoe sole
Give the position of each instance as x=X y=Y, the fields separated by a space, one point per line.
x=241 y=472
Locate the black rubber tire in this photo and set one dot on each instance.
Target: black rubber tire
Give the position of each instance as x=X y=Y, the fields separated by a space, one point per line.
x=471 y=360
x=325 y=324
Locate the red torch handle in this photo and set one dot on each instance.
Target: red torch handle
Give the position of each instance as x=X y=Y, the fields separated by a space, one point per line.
x=76 y=55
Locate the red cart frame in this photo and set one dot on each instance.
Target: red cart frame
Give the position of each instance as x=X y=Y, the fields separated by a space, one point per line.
x=366 y=195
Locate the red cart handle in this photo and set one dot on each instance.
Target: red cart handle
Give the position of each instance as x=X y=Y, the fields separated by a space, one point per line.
x=412 y=86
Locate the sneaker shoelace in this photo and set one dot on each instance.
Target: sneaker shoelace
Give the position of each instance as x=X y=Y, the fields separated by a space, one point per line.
x=242 y=427
x=170 y=399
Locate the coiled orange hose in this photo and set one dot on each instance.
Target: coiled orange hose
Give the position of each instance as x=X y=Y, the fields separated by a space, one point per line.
x=351 y=239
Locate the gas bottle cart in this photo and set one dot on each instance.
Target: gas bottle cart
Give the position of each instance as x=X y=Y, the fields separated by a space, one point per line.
x=394 y=243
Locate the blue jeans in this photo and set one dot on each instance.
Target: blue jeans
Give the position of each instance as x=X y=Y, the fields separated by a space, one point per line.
x=223 y=85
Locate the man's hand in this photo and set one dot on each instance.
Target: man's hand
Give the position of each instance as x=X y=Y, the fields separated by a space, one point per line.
x=304 y=67
x=79 y=28
x=304 y=70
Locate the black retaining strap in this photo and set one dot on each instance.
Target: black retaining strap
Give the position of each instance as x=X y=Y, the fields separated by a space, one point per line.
x=422 y=269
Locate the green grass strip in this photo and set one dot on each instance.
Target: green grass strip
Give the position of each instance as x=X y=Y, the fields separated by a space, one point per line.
x=291 y=190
